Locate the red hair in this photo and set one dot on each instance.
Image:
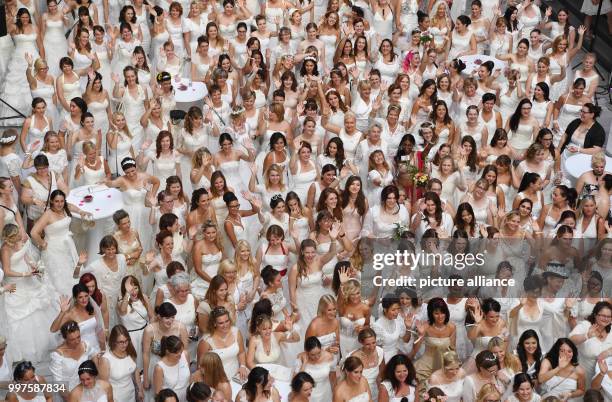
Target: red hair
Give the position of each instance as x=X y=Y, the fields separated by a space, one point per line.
x=97 y=295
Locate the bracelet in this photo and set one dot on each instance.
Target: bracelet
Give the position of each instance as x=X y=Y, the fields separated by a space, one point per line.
x=243 y=366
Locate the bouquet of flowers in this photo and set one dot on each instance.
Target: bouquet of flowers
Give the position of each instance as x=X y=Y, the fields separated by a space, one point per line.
x=399 y=231
x=425 y=38
x=420 y=179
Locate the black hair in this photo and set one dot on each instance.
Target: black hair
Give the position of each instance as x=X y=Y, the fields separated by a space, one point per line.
x=171 y=344
x=195 y=197
x=165 y=394
x=21 y=369
x=229 y=197
x=389 y=300
x=553 y=355
x=298 y=381
x=311 y=343
x=198 y=391
x=166 y=310
x=268 y=273
x=167 y=220
x=598 y=307
x=80 y=288
x=437 y=304
x=89 y=367
x=389 y=373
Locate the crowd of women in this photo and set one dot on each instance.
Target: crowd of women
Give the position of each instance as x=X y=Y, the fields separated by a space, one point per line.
x=239 y=267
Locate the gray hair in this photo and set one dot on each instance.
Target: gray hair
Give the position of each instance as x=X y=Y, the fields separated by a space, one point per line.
x=376 y=124
x=178 y=279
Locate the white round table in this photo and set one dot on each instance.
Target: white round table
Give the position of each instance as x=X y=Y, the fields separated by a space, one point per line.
x=473 y=62
x=282 y=381
x=188 y=94
x=104 y=204
x=578 y=164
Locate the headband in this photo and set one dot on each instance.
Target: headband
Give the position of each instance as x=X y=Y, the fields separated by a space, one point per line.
x=127 y=163
x=8 y=140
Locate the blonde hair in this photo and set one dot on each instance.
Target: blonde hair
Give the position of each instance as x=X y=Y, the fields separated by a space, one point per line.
x=2 y=341
x=278 y=110
x=225 y=266
x=510 y=360
x=40 y=63
x=241 y=245
x=196 y=159
x=325 y=301
x=450 y=357
x=275 y=168
x=486 y=391
x=88 y=146
x=350 y=288
x=126 y=129
x=598 y=158
x=10 y=232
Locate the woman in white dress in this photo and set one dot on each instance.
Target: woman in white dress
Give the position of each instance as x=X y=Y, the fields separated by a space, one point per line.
x=42 y=85
x=561 y=375
x=27 y=41
x=354 y=387
x=207 y=254
x=109 y=270
x=383 y=218
x=30 y=307
x=134 y=311
x=320 y=364
x=225 y=340
x=164 y=327
x=593 y=338
x=58 y=249
x=118 y=366
x=164 y=157
x=172 y=371
x=25 y=373
x=83 y=57
x=449 y=378
x=196 y=134
x=137 y=189
x=306 y=279
x=463 y=42
x=398 y=380
x=135 y=101
x=90 y=389
x=66 y=359
x=35 y=127
x=99 y=105
x=54 y=24
x=522 y=127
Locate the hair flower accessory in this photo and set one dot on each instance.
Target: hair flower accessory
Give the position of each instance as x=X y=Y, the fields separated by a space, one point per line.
x=407 y=61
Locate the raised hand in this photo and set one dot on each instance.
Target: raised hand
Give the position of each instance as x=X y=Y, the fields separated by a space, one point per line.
x=64 y=302
x=603 y=366
x=149 y=257
x=82 y=257
x=564 y=361
x=581 y=30
x=115 y=78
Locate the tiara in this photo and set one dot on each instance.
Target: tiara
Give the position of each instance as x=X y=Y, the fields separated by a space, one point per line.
x=311 y=58
x=331 y=90
x=8 y=140
x=127 y=162
x=276 y=197
x=237 y=111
